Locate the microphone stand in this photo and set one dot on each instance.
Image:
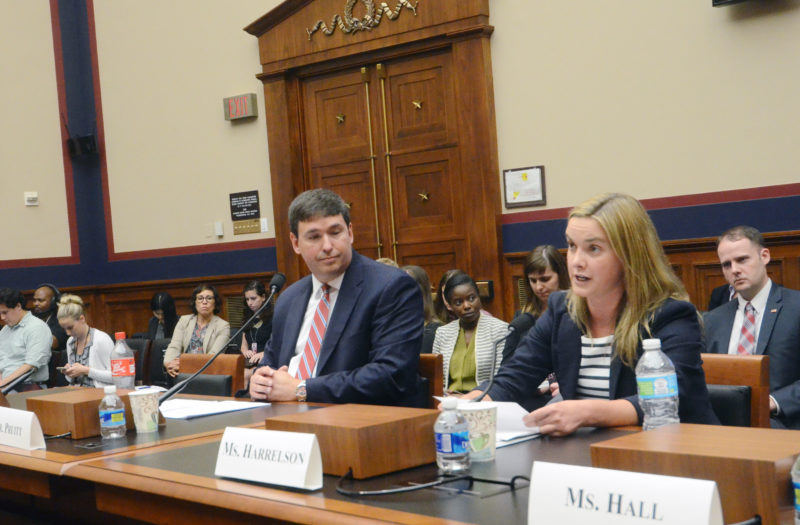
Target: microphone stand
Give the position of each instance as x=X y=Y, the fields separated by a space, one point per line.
x=511 y=330
x=180 y=386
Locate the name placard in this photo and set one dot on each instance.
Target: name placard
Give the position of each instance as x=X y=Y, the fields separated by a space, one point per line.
x=570 y=494
x=289 y=459
x=20 y=429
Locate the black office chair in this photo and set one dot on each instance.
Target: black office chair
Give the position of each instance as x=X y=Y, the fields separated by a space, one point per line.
x=158 y=376
x=731 y=404
x=207 y=384
x=141 y=352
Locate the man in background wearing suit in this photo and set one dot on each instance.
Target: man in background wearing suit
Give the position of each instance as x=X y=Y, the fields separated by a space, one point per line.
x=348 y=333
x=764 y=318
x=721 y=295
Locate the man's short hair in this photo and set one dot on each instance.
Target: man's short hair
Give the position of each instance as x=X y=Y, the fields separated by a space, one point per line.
x=11 y=298
x=742 y=232
x=318 y=203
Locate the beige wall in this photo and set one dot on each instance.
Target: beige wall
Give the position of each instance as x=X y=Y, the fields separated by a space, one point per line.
x=655 y=98
x=172 y=158
x=31 y=157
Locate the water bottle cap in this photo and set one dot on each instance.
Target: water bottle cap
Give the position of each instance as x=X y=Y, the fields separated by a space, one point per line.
x=112 y=389
x=450 y=403
x=119 y=335
x=651 y=344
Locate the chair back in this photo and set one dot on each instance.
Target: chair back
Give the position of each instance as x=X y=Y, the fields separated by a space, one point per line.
x=206 y=384
x=742 y=370
x=225 y=365
x=141 y=352
x=158 y=375
x=431 y=366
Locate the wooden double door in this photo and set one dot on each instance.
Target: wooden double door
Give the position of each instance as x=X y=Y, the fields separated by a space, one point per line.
x=385 y=137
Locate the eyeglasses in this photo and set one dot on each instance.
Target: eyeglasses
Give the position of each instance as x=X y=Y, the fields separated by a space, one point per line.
x=204 y=298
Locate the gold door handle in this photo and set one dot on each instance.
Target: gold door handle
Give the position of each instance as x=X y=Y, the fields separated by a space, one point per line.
x=417 y=104
x=424 y=196
x=340 y=118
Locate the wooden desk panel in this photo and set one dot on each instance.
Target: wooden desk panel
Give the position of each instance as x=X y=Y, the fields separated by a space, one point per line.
x=179 y=480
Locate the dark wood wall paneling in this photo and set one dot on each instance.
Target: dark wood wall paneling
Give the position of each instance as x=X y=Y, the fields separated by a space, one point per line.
x=126 y=307
x=695 y=261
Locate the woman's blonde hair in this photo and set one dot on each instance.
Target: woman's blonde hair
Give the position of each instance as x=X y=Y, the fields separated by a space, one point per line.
x=649 y=279
x=70 y=307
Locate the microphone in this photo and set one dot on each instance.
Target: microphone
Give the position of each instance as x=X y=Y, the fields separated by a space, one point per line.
x=275 y=285
x=517 y=325
x=521 y=325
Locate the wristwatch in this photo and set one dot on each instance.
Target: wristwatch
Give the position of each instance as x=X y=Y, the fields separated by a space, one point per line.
x=300 y=391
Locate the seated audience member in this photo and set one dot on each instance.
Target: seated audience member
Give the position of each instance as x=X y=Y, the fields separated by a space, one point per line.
x=25 y=342
x=721 y=295
x=200 y=332
x=45 y=307
x=88 y=349
x=431 y=321
x=348 y=333
x=764 y=318
x=257 y=334
x=162 y=324
x=545 y=272
x=467 y=344
x=387 y=261
x=623 y=290
x=441 y=309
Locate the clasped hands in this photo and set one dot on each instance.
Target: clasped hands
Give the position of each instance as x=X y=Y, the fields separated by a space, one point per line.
x=75 y=370
x=273 y=385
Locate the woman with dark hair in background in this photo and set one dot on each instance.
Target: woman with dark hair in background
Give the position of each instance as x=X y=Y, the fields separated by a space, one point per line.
x=164 y=319
x=200 y=332
x=545 y=272
x=467 y=344
x=257 y=334
x=431 y=321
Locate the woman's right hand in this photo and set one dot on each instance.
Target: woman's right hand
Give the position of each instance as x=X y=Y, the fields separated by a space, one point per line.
x=173 y=367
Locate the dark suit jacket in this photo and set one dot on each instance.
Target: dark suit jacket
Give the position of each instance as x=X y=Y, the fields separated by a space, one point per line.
x=719 y=296
x=370 y=352
x=554 y=344
x=778 y=337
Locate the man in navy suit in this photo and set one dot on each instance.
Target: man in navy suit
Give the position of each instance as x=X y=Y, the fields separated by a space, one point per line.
x=774 y=318
x=368 y=324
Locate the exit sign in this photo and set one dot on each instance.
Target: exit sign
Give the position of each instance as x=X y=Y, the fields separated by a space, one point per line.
x=240 y=106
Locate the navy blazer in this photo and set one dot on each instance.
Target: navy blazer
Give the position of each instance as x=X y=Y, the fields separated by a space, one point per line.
x=778 y=337
x=370 y=352
x=554 y=344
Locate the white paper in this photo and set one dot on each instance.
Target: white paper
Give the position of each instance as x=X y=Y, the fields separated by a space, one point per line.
x=570 y=494
x=191 y=408
x=20 y=429
x=289 y=459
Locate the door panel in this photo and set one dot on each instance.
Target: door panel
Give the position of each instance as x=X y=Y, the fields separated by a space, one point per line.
x=352 y=181
x=336 y=118
x=426 y=196
x=421 y=110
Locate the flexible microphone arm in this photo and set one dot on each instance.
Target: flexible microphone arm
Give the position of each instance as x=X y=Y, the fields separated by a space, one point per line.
x=511 y=330
x=277 y=282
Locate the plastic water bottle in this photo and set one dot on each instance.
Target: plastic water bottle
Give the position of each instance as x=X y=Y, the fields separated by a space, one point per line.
x=452 y=439
x=796 y=490
x=123 y=364
x=112 y=414
x=657 y=385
